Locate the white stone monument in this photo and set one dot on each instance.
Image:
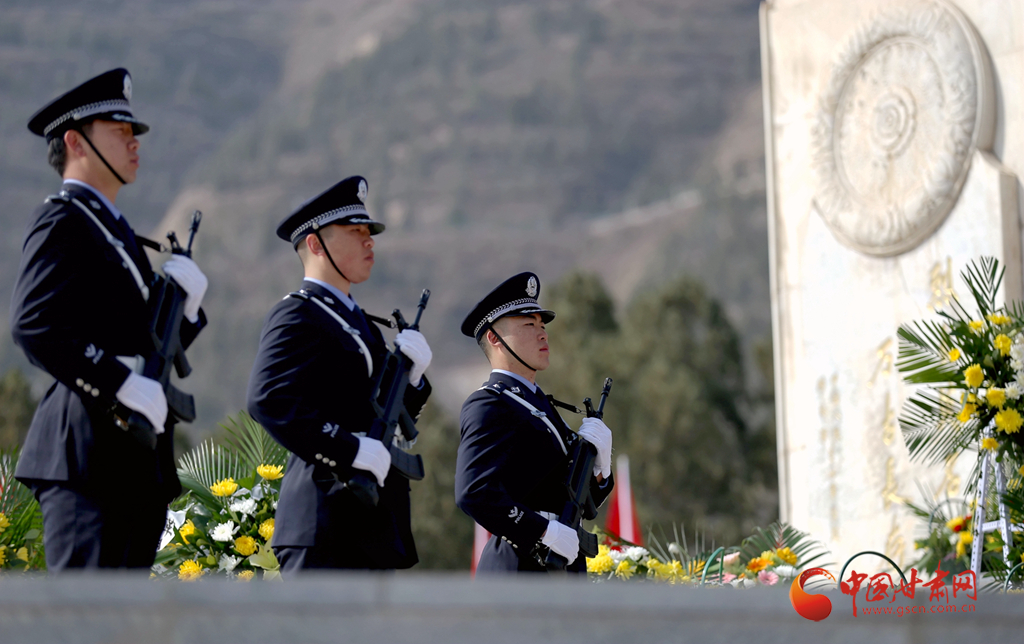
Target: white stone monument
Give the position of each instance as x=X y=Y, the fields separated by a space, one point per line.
x=894 y=142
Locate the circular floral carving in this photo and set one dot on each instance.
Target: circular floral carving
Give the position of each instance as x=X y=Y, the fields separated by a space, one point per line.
x=903 y=110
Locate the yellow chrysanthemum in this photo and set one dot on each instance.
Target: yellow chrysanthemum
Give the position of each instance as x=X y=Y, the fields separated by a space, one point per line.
x=976 y=325
x=603 y=549
x=270 y=472
x=787 y=556
x=1021 y=470
x=974 y=376
x=768 y=556
x=956 y=524
x=225 y=487
x=1008 y=421
x=245 y=546
x=246 y=575
x=996 y=397
x=267 y=529
x=187 y=530
x=22 y=554
x=3 y=555
x=624 y=569
x=998 y=319
x=695 y=567
x=954 y=354
x=190 y=570
x=4 y=522
x=757 y=564
x=1003 y=343
x=990 y=443
x=602 y=563
x=965 y=414
x=966 y=538
x=961 y=549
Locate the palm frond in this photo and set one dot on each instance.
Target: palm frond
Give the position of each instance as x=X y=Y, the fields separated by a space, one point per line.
x=208 y=463
x=808 y=551
x=931 y=428
x=255 y=446
x=984 y=281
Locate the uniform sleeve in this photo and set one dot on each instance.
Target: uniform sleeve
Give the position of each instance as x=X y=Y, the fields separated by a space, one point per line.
x=483 y=466
x=600 y=492
x=306 y=397
x=50 y=310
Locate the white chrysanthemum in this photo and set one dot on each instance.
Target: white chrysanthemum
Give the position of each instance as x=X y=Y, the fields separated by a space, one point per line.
x=637 y=554
x=1014 y=391
x=617 y=556
x=786 y=571
x=246 y=507
x=675 y=550
x=1016 y=365
x=224 y=531
x=749 y=583
x=228 y=562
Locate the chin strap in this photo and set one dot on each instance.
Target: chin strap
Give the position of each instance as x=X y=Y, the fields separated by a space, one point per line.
x=326 y=252
x=490 y=328
x=112 y=171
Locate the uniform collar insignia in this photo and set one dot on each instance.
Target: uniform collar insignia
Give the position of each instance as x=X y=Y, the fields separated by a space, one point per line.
x=514 y=390
x=95 y=204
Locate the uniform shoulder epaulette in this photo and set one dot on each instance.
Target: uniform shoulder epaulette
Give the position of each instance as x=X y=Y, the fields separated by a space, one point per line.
x=497 y=388
x=300 y=294
x=63 y=196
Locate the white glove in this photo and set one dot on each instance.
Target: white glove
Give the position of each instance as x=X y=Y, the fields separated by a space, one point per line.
x=187 y=274
x=145 y=396
x=373 y=457
x=562 y=539
x=595 y=432
x=414 y=345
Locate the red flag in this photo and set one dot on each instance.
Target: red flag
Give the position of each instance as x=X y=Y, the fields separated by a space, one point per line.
x=480 y=537
x=622 y=519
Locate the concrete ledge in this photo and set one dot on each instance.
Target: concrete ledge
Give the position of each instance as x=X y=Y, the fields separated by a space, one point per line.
x=425 y=608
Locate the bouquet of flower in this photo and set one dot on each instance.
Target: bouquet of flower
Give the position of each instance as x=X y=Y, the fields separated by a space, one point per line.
x=624 y=560
x=768 y=557
x=950 y=538
x=223 y=523
x=973 y=365
x=21 y=521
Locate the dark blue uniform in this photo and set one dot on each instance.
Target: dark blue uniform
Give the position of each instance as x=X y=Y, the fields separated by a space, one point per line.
x=76 y=307
x=510 y=468
x=310 y=388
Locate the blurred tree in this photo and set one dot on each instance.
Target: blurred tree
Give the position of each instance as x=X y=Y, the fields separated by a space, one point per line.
x=679 y=406
x=443 y=533
x=17 y=405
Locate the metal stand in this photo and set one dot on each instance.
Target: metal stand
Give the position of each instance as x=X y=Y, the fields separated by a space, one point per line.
x=980 y=526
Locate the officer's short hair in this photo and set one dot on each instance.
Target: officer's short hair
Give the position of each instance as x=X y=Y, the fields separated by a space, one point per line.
x=57 y=155
x=57 y=152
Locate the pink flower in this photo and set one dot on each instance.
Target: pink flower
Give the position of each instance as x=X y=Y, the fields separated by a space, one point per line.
x=727 y=577
x=767 y=578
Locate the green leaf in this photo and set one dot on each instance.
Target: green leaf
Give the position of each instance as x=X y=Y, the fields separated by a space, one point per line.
x=252 y=443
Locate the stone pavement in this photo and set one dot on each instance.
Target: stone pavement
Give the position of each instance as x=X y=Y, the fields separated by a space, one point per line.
x=426 y=608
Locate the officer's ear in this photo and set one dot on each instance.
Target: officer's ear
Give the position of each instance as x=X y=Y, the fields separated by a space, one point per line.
x=74 y=145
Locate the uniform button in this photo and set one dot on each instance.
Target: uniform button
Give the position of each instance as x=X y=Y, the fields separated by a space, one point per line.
x=79 y=382
x=319 y=457
x=333 y=463
x=87 y=387
x=95 y=393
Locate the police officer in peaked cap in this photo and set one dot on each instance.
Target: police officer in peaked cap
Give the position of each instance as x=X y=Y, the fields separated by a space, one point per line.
x=514 y=447
x=80 y=312
x=319 y=356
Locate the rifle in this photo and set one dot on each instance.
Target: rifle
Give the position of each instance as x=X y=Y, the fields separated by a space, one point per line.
x=577 y=485
x=392 y=415
x=168 y=310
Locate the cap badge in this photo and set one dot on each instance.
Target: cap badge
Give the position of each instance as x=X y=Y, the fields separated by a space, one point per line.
x=127 y=87
x=362 y=191
x=531 y=287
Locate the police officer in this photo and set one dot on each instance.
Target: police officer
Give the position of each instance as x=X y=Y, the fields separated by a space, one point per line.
x=80 y=313
x=513 y=452
x=310 y=388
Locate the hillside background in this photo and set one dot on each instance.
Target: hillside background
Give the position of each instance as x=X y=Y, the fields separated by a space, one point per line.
x=616 y=139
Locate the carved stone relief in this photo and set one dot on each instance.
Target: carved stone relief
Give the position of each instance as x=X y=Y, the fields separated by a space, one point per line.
x=907 y=102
